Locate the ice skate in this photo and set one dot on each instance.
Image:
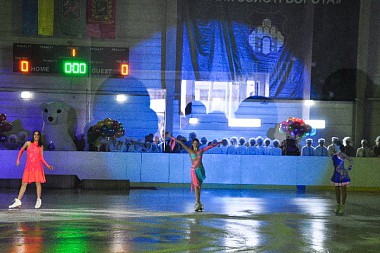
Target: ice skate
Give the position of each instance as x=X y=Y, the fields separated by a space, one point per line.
x=38 y=204
x=198 y=207
x=341 y=210
x=336 y=211
x=16 y=203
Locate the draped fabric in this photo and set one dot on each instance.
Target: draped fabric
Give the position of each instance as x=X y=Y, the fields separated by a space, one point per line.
x=30 y=17
x=38 y=17
x=70 y=18
x=46 y=17
x=239 y=40
x=101 y=18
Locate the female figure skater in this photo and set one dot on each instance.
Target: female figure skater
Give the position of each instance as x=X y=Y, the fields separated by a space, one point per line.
x=198 y=173
x=33 y=171
x=340 y=178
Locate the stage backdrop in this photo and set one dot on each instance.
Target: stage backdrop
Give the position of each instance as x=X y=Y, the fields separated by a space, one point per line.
x=307 y=47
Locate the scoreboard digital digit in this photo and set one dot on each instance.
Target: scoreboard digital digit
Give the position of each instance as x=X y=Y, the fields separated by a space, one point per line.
x=70 y=60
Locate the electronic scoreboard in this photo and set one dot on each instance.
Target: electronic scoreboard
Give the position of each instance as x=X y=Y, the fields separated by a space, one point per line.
x=70 y=60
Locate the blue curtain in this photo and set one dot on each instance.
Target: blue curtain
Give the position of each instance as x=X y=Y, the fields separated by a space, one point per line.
x=219 y=42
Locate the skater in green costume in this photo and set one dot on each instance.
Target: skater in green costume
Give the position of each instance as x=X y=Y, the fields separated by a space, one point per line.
x=197 y=172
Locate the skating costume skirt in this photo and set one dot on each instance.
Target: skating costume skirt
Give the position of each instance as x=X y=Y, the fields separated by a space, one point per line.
x=201 y=174
x=34 y=172
x=340 y=176
x=197 y=171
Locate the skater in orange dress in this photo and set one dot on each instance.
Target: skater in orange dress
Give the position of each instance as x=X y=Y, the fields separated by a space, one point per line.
x=33 y=172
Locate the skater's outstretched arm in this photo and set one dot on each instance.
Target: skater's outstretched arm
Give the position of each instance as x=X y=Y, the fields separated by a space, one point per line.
x=211 y=146
x=180 y=143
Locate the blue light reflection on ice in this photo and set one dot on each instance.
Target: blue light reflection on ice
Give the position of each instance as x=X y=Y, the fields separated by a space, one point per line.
x=314 y=230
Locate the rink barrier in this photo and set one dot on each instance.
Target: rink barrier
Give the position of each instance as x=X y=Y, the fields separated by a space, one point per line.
x=102 y=184
x=61 y=181
x=221 y=170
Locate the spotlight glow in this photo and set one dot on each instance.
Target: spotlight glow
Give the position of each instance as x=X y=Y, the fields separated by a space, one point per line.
x=233 y=122
x=121 y=98
x=309 y=102
x=193 y=121
x=319 y=124
x=26 y=95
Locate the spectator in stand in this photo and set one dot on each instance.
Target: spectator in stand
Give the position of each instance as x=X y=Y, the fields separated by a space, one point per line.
x=113 y=145
x=156 y=139
x=127 y=143
x=348 y=149
x=376 y=148
x=140 y=147
x=331 y=148
x=181 y=149
x=364 y=150
x=241 y=149
x=154 y=148
x=148 y=147
x=150 y=137
x=192 y=136
x=217 y=149
x=175 y=146
x=252 y=149
x=276 y=150
x=321 y=150
x=283 y=147
x=231 y=150
x=267 y=146
x=260 y=147
x=160 y=147
x=162 y=137
x=165 y=145
x=224 y=146
x=208 y=151
x=292 y=148
x=308 y=149
x=147 y=138
x=203 y=142
x=132 y=146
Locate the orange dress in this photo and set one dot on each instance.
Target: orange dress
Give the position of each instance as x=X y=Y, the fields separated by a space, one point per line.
x=33 y=172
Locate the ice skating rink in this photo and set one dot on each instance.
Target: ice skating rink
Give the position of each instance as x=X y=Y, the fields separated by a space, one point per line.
x=163 y=220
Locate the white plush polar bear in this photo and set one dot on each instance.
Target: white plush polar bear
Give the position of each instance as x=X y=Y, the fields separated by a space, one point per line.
x=55 y=127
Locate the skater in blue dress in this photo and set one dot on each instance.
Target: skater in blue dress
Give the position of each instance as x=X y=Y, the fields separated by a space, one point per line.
x=340 y=178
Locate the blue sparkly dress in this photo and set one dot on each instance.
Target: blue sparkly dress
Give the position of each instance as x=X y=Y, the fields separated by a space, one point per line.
x=340 y=176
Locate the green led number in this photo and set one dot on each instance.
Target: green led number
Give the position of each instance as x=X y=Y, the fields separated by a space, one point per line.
x=75 y=68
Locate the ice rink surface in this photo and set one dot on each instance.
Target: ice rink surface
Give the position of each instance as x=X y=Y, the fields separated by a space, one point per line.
x=163 y=220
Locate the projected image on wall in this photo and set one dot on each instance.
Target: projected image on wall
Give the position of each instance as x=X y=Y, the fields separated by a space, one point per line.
x=234 y=51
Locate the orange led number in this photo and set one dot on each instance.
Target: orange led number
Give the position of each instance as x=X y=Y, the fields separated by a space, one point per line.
x=24 y=66
x=73 y=52
x=124 y=69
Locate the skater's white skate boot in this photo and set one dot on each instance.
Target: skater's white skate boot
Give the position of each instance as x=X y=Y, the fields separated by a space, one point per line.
x=16 y=203
x=38 y=204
